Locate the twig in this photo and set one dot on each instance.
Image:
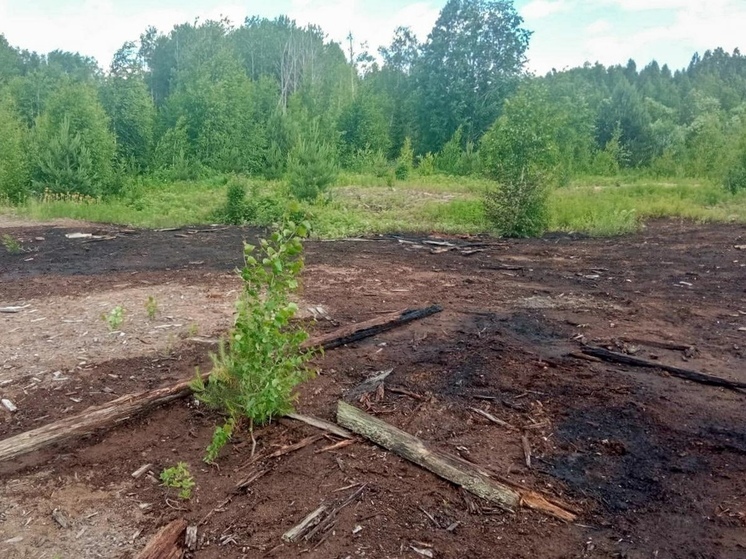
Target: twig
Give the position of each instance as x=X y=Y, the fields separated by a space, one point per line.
x=337 y=446
x=492 y=418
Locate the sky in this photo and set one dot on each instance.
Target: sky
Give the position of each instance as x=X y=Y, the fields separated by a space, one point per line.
x=566 y=33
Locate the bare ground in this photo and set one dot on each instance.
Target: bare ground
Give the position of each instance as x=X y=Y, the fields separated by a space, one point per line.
x=654 y=465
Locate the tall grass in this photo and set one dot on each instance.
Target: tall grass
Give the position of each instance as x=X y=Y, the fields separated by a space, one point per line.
x=366 y=204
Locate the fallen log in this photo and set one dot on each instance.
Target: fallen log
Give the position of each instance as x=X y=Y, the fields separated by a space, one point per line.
x=694 y=376
x=99 y=417
x=166 y=543
x=92 y=419
x=361 y=330
x=452 y=468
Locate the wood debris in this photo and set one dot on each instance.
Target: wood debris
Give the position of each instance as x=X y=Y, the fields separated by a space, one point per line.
x=166 y=543
x=694 y=376
x=320 y=521
x=452 y=468
x=492 y=418
x=8 y=405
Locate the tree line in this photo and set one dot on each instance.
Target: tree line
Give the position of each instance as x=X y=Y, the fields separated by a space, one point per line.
x=274 y=99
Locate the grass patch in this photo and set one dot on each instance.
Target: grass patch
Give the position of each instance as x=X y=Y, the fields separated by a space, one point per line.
x=613 y=210
x=365 y=204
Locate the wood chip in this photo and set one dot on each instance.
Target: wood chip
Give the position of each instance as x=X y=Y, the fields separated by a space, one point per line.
x=141 y=470
x=8 y=405
x=526 y=450
x=422 y=551
x=59 y=518
x=190 y=540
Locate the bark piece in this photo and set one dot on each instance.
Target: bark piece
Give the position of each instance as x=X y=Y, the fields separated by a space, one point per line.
x=694 y=376
x=311 y=520
x=452 y=468
x=166 y=543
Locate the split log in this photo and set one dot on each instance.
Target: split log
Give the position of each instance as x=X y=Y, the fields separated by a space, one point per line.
x=361 y=330
x=452 y=468
x=99 y=417
x=166 y=542
x=694 y=376
x=92 y=419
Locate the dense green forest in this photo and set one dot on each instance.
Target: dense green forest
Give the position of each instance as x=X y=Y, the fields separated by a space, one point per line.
x=270 y=99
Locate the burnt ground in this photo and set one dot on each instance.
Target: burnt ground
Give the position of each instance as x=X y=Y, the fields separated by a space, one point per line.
x=654 y=465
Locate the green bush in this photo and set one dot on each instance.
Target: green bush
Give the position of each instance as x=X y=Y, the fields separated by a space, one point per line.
x=405 y=161
x=64 y=164
x=179 y=477
x=311 y=168
x=256 y=371
x=518 y=208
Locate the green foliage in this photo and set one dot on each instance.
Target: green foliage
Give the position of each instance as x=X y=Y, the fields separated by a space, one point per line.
x=255 y=373
x=151 y=307
x=11 y=244
x=114 y=318
x=245 y=203
x=311 y=167
x=179 y=477
x=405 y=161
x=520 y=153
x=73 y=145
x=14 y=167
x=64 y=164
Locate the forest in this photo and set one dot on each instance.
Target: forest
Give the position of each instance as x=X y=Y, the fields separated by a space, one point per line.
x=278 y=113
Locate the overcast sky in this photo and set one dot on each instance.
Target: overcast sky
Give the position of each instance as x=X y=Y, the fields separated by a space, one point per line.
x=567 y=33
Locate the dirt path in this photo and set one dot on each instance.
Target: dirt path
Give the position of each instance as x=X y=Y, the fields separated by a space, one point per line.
x=654 y=464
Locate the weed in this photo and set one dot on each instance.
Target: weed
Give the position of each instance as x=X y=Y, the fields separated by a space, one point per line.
x=178 y=477
x=151 y=307
x=192 y=330
x=11 y=244
x=256 y=371
x=114 y=318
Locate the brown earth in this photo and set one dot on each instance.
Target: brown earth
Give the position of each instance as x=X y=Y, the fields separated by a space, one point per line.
x=655 y=466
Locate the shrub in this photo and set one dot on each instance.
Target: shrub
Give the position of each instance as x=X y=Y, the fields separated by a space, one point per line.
x=256 y=371
x=311 y=167
x=518 y=208
x=520 y=153
x=405 y=161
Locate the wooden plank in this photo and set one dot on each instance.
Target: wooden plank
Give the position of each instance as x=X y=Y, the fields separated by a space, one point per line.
x=166 y=544
x=694 y=376
x=452 y=468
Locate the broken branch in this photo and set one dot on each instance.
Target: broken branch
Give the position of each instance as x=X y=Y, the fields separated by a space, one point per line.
x=694 y=376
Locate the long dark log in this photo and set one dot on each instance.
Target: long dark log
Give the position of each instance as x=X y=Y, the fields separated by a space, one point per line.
x=105 y=415
x=694 y=376
x=452 y=468
x=356 y=332
x=166 y=543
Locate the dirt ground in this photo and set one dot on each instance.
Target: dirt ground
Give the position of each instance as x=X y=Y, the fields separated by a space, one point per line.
x=654 y=465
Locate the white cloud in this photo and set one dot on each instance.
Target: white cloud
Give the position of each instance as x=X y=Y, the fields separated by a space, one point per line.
x=538 y=9
x=99 y=27
x=340 y=17
x=598 y=27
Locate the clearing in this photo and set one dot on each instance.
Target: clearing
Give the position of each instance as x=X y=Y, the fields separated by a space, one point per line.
x=655 y=466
